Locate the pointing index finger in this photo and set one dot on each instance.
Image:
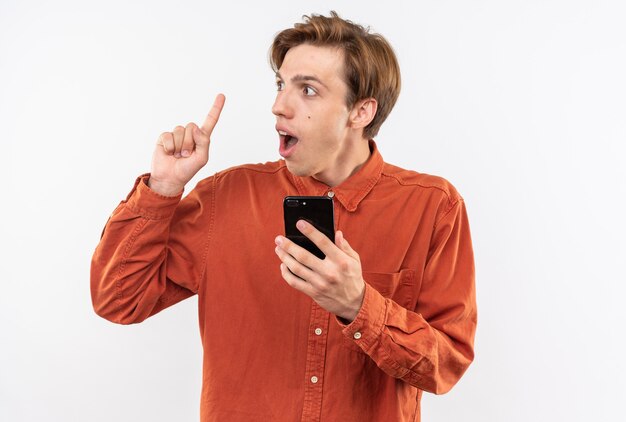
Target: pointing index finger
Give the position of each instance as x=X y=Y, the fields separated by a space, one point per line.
x=214 y=115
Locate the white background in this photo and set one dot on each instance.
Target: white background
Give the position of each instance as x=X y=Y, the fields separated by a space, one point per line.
x=521 y=104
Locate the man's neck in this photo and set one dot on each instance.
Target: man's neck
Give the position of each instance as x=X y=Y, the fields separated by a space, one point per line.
x=348 y=164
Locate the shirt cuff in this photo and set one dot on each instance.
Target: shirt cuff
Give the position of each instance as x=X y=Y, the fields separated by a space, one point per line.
x=367 y=327
x=149 y=204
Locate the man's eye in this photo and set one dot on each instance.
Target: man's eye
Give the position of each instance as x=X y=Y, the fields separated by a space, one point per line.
x=280 y=85
x=309 y=91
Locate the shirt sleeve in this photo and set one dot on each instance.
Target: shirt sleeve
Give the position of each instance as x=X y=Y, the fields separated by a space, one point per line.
x=150 y=255
x=432 y=346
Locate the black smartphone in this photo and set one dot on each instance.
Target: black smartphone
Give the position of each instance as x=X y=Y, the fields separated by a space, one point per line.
x=317 y=210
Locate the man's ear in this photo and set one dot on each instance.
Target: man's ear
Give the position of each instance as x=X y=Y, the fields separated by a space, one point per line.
x=363 y=113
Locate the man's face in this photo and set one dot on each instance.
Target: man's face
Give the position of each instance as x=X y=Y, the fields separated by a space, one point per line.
x=312 y=117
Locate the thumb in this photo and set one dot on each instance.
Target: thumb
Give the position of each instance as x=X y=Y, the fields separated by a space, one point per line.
x=201 y=140
x=345 y=246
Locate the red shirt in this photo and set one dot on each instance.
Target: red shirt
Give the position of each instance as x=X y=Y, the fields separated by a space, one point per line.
x=270 y=352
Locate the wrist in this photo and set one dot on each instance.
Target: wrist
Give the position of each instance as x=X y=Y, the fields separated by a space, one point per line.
x=164 y=188
x=347 y=317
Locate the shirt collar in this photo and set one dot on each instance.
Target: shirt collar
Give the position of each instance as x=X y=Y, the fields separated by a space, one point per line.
x=351 y=192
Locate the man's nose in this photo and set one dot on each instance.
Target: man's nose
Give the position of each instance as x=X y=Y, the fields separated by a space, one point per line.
x=282 y=105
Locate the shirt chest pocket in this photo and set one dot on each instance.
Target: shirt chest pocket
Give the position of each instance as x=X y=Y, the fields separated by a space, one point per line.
x=401 y=287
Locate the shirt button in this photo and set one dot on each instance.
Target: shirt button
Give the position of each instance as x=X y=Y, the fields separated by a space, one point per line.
x=357 y=335
x=318 y=331
x=314 y=379
x=330 y=194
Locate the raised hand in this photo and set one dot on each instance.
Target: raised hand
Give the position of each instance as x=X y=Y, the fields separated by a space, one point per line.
x=181 y=153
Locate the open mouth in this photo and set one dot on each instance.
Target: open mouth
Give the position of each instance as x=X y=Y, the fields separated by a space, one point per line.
x=287 y=142
x=286 y=139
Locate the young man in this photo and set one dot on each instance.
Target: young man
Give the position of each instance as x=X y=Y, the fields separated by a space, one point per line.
x=389 y=313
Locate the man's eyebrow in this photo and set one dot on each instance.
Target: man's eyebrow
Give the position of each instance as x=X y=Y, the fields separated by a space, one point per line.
x=300 y=78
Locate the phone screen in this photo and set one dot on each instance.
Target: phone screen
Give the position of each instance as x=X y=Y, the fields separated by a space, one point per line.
x=317 y=210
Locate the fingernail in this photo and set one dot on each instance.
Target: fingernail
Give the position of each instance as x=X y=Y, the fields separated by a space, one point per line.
x=185 y=153
x=278 y=240
x=300 y=224
x=177 y=155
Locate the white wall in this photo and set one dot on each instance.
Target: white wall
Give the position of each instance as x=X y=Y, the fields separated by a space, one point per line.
x=521 y=104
